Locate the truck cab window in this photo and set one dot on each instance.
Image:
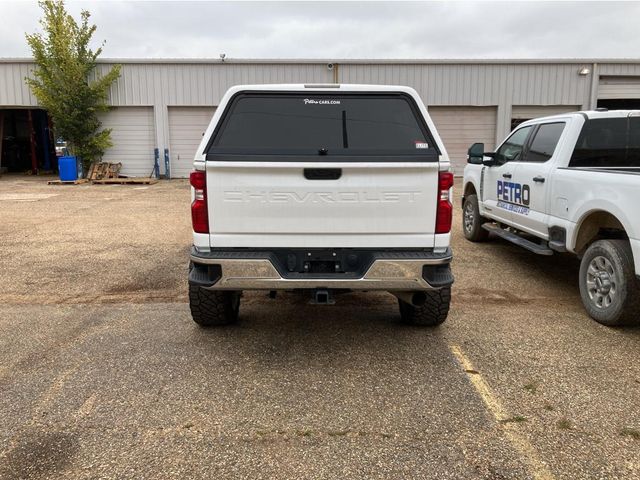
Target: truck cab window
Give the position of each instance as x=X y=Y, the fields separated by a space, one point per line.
x=511 y=149
x=545 y=142
x=602 y=143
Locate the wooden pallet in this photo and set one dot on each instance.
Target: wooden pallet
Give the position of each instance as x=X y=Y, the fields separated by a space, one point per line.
x=67 y=182
x=103 y=170
x=127 y=181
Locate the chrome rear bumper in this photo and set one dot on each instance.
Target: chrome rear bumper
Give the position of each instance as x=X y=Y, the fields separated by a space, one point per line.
x=401 y=274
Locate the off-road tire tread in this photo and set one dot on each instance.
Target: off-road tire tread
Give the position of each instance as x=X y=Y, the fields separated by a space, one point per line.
x=620 y=250
x=211 y=308
x=432 y=313
x=477 y=234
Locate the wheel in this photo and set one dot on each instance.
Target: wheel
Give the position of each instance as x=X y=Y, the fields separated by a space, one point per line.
x=472 y=220
x=213 y=307
x=432 y=313
x=608 y=285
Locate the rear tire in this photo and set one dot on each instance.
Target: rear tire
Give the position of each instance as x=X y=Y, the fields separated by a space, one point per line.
x=213 y=307
x=472 y=220
x=432 y=313
x=608 y=285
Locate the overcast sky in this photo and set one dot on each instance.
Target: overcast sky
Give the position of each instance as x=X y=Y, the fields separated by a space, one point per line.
x=334 y=30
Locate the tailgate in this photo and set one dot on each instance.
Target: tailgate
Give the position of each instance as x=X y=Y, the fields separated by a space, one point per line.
x=304 y=205
x=322 y=169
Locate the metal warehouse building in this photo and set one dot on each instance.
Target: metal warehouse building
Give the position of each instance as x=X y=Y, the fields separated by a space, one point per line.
x=167 y=104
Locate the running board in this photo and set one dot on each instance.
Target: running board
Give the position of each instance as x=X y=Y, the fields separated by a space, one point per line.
x=517 y=239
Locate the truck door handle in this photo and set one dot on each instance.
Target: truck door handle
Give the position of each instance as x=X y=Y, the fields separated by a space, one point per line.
x=506 y=175
x=538 y=179
x=322 y=173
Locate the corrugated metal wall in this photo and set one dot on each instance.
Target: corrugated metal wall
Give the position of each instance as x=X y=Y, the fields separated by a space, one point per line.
x=440 y=83
x=479 y=84
x=202 y=84
x=13 y=89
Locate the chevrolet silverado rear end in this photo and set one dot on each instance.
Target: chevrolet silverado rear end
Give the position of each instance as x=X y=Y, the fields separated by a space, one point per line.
x=321 y=189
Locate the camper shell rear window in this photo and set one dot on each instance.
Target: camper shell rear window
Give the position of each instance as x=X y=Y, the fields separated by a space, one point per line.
x=322 y=124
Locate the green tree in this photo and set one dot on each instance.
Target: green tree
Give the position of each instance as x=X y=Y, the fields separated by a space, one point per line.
x=66 y=82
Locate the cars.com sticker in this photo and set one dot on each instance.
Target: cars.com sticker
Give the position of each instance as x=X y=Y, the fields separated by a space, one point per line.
x=311 y=101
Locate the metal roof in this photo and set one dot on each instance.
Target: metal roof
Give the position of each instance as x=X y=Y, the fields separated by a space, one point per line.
x=404 y=61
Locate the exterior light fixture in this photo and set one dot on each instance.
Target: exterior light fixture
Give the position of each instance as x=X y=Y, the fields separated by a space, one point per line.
x=584 y=71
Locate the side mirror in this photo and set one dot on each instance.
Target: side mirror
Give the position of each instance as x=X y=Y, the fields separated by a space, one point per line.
x=475 y=153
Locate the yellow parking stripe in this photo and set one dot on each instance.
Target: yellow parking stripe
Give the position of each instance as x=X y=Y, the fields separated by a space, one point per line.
x=539 y=470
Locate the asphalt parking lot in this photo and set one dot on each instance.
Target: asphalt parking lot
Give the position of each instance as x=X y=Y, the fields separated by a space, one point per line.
x=104 y=375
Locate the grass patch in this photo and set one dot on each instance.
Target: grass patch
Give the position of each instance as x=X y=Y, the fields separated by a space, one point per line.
x=338 y=433
x=531 y=387
x=514 y=419
x=564 y=424
x=548 y=407
x=630 y=432
x=304 y=433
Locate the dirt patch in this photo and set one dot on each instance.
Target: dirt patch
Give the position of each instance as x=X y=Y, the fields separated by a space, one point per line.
x=94 y=245
x=159 y=275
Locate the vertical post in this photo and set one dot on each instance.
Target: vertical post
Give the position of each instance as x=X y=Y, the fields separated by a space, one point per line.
x=156 y=163
x=44 y=134
x=34 y=160
x=167 y=167
x=52 y=143
x=1 y=135
x=595 y=83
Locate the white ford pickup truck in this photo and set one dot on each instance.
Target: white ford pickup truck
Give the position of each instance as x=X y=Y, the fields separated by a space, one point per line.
x=321 y=189
x=567 y=183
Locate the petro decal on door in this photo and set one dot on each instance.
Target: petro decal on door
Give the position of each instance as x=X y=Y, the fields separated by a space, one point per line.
x=514 y=197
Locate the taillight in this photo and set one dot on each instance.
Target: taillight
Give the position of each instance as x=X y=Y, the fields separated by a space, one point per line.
x=444 y=215
x=199 y=214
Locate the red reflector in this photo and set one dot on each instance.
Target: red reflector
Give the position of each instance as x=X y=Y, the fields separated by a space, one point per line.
x=198 y=180
x=199 y=216
x=199 y=213
x=444 y=215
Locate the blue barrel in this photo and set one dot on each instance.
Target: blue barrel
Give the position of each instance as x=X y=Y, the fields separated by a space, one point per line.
x=68 y=168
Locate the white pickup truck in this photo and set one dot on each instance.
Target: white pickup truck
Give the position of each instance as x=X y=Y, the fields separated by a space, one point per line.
x=567 y=183
x=321 y=189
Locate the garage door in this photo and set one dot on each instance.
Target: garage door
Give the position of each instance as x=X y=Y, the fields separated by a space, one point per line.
x=459 y=127
x=521 y=113
x=133 y=137
x=186 y=126
x=619 y=88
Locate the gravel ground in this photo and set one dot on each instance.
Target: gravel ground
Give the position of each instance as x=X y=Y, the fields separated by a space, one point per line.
x=103 y=374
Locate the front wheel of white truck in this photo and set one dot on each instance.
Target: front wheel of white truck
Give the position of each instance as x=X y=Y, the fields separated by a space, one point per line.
x=433 y=312
x=608 y=285
x=472 y=220
x=210 y=308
